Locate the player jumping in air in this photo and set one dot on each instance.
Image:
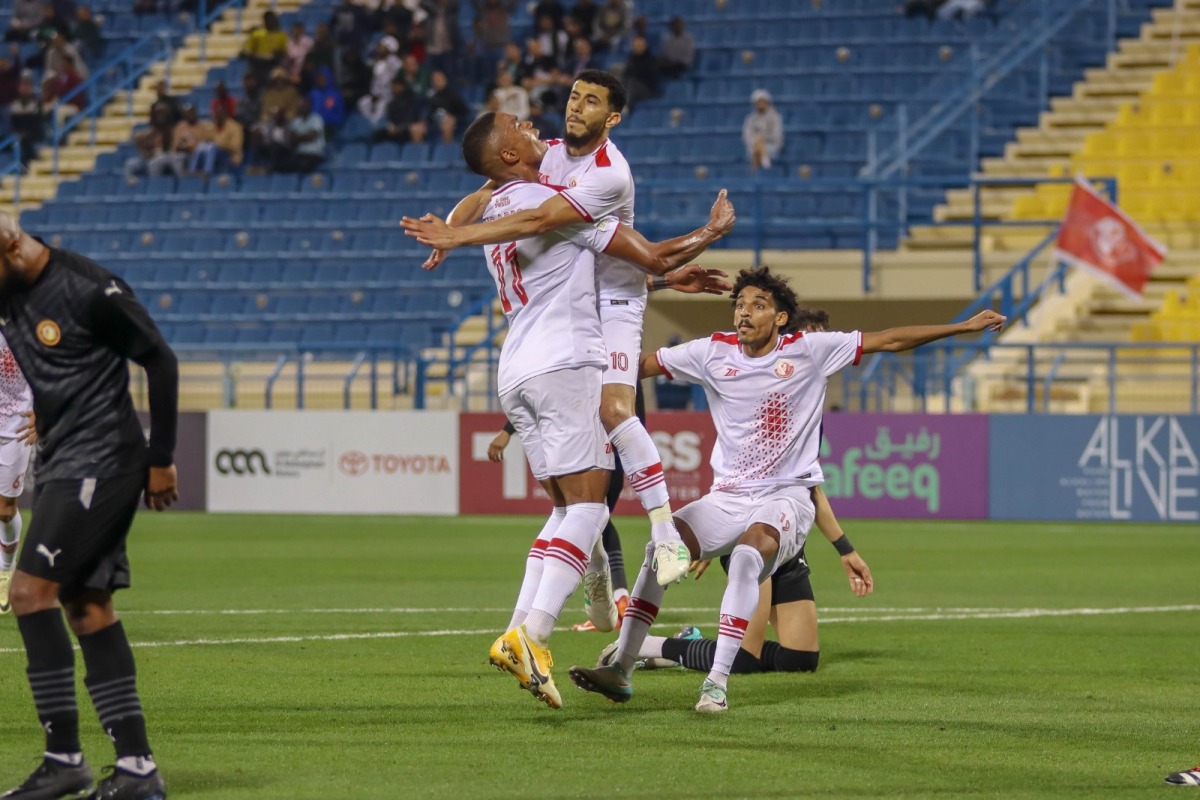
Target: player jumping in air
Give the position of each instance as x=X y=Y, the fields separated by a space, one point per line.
x=766 y=391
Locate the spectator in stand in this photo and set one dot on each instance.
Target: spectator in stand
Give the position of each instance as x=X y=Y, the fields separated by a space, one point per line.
x=510 y=98
x=266 y=46
x=164 y=98
x=224 y=150
x=154 y=156
x=387 y=65
x=222 y=99
x=552 y=9
x=582 y=58
x=88 y=38
x=26 y=16
x=52 y=25
x=394 y=17
x=59 y=85
x=323 y=53
x=545 y=124
x=512 y=63
x=298 y=45
x=10 y=80
x=641 y=27
x=327 y=100
x=250 y=107
x=443 y=41
x=306 y=140
x=404 y=115
x=677 y=53
x=612 y=23
x=584 y=12
x=27 y=119
x=354 y=77
x=916 y=8
x=447 y=108
x=540 y=76
x=641 y=72
x=415 y=43
x=415 y=75
x=762 y=131
x=350 y=25
x=57 y=52
x=553 y=40
x=492 y=33
x=189 y=133
x=282 y=93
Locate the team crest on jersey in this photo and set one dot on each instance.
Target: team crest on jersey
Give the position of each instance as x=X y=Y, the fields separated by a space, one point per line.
x=48 y=332
x=784 y=368
x=572 y=183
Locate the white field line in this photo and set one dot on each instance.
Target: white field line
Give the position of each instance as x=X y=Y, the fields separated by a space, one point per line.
x=249 y=612
x=1021 y=613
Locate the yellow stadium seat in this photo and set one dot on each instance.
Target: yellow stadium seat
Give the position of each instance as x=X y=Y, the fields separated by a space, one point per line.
x=1169 y=84
x=1128 y=116
x=1029 y=207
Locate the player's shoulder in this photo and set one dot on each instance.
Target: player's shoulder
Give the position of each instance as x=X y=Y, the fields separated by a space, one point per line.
x=609 y=156
x=81 y=270
x=723 y=340
x=519 y=194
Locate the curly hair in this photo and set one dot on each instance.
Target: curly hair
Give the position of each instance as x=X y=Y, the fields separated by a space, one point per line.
x=811 y=318
x=783 y=295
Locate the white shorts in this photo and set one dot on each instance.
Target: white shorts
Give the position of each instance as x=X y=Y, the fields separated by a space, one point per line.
x=720 y=518
x=621 y=323
x=14 y=463
x=557 y=416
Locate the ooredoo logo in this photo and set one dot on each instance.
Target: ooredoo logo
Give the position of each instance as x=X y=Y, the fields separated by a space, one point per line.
x=242 y=462
x=354 y=463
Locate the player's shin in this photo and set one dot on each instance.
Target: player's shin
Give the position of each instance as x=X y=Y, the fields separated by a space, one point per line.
x=533 y=566
x=564 y=564
x=737 y=606
x=10 y=536
x=51 y=672
x=644 y=469
x=112 y=683
x=640 y=614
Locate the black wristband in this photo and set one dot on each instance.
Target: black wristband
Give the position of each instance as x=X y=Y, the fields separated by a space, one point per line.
x=843 y=546
x=659 y=282
x=508 y=428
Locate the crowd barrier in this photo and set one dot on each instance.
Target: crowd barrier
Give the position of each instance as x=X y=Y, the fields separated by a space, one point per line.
x=888 y=466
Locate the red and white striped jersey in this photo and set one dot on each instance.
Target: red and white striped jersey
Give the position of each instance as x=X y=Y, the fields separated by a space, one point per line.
x=597 y=185
x=767 y=410
x=547 y=287
x=15 y=396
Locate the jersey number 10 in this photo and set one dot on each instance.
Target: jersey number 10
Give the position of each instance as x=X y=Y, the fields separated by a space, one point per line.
x=509 y=260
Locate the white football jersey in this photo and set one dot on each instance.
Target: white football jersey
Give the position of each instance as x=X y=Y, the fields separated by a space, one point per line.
x=547 y=287
x=767 y=410
x=598 y=185
x=16 y=398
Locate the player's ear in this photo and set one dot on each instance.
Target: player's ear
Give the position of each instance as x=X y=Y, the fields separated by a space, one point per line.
x=509 y=155
x=614 y=119
x=781 y=319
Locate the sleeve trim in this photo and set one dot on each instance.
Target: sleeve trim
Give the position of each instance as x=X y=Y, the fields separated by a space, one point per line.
x=583 y=212
x=662 y=366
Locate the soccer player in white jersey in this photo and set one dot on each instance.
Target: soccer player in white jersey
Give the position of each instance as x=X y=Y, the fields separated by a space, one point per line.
x=766 y=391
x=550 y=377
x=595 y=181
x=16 y=411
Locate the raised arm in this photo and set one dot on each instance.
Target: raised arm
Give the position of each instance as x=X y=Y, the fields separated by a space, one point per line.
x=555 y=212
x=468 y=211
x=895 y=340
x=659 y=258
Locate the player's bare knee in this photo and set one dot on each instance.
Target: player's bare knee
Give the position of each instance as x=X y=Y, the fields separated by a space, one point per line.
x=613 y=412
x=762 y=538
x=90 y=612
x=28 y=595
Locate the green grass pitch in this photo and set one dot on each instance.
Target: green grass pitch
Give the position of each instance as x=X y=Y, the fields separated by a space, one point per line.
x=359 y=669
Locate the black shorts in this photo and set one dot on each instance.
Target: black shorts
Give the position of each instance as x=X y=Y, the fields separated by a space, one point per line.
x=789 y=582
x=77 y=536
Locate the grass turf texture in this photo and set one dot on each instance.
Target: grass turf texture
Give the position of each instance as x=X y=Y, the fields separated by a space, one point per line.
x=1051 y=706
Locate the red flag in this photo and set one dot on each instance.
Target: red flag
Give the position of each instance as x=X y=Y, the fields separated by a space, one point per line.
x=1099 y=237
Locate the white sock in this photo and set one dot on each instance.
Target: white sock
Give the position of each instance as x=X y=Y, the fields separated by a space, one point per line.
x=533 y=566
x=640 y=614
x=563 y=567
x=599 y=560
x=137 y=765
x=651 y=647
x=10 y=536
x=71 y=759
x=737 y=606
x=644 y=471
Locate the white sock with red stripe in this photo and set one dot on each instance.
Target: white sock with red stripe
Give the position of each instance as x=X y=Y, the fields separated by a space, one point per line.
x=640 y=613
x=563 y=566
x=533 y=566
x=10 y=535
x=644 y=471
x=737 y=606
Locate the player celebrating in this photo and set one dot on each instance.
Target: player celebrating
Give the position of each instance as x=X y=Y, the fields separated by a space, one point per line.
x=595 y=181
x=72 y=326
x=766 y=391
x=16 y=407
x=549 y=377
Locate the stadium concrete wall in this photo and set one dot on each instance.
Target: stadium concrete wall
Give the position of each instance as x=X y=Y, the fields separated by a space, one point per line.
x=889 y=466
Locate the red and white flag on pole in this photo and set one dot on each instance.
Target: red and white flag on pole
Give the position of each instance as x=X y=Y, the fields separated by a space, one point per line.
x=1100 y=238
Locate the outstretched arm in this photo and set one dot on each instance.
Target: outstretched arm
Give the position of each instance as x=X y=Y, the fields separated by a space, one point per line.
x=649 y=366
x=659 y=258
x=895 y=340
x=555 y=212
x=468 y=211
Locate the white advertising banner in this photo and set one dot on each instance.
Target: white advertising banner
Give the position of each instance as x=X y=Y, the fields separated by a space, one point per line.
x=333 y=462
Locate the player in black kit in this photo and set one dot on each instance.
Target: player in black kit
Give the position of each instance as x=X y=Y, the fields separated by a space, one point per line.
x=72 y=326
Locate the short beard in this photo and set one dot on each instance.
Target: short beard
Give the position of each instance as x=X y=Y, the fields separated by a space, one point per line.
x=585 y=140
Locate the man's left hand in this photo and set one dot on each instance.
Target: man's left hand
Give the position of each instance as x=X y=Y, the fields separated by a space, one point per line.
x=431 y=231
x=695 y=279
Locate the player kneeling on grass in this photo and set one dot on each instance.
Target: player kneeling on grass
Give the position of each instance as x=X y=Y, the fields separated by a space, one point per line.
x=766 y=388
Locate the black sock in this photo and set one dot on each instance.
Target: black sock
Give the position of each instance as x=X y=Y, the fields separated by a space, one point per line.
x=776 y=658
x=699 y=654
x=51 y=672
x=112 y=682
x=616 y=559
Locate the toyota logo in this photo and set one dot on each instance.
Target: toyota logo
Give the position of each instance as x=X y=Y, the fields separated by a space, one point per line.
x=242 y=462
x=354 y=463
